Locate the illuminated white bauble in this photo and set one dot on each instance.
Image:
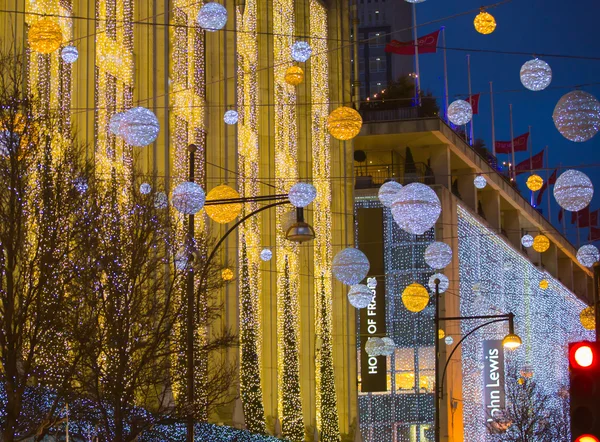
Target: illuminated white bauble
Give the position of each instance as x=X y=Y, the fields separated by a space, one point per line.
x=188 y=198
x=588 y=255
x=449 y=340
x=415 y=1
x=443 y=285
x=438 y=255
x=116 y=122
x=350 y=266
x=301 y=51
x=231 y=117
x=360 y=296
x=266 y=254
x=181 y=259
x=480 y=182
x=389 y=347
x=81 y=185
x=160 y=200
x=69 y=54
x=302 y=194
x=573 y=190
x=527 y=240
x=139 y=127
x=212 y=17
x=374 y=346
x=536 y=75
x=460 y=112
x=145 y=188
x=416 y=208
x=577 y=116
x=388 y=192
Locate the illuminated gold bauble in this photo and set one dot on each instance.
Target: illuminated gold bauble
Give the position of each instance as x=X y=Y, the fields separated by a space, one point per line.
x=587 y=317
x=541 y=243
x=544 y=284
x=344 y=123
x=294 y=75
x=441 y=334
x=535 y=183
x=227 y=274
x=223 y=213
x=415 y=297
x=484 y=23
x=45 y=36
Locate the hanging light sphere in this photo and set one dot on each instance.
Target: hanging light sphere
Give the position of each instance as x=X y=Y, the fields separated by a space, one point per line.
x=231 y=117
x=116 y=122
x=181 y=259
x=160 y=200
x=449 y=340
x=441 y=334
x=145 y=188
x=294 y=75
x=544 y=284
x=302 y=194
x=374 y=346
x=227 y=274
x=587 y=317
x=223 y=213
x=460 y=112
x=388 y=192
x=350 y=266
x=360 y=296
x=69 y=54
x=535 y=182
x=438 y=255
x=416 y=209
x=588 y=255
x=139 y=127
x=188 y=198
x=266 y=255
x=212 y=17
x=480 y=182
x=45 y=36
x=81 y=185
x=484 y=23
x=443 y=285
x=573 y=190
x=344 y=123
x=536 y=75
x=577 y=116
x=541 y=243
x=301 y=51
x=527 y=240
x=415 y=1
x=389 y=347
x=415 y=297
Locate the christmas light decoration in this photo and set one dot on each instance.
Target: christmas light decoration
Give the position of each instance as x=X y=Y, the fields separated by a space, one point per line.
x=449 y=340
x=344 y=123
x=230 y=117
x=438 y=255
x=415 y=297
x=416 y=208
x=294 y=75
x=480 y=182
x=116 y=122
x=360 y=296
x=350 y=266
x=535 y=182
x=188 y=198
x=541 y=243
x=223 y=213
x=301 y=51
x=81 y=185
x=415 y=1
x=45 y=36
x=227 y=274
x=139 y=127
x=388 y=192
x=587 y=317
x=577 y=116
x=527 y=240
x=441 y=334
x=573 y=190
x=388 y=346
x=69 y=54
x=460 y=112
x=544 y=284
x=161 y=201
x=266 y=255
x=302 y=194
x=145 y=188
x=181 y=259
x=374 y=346
x=212 y=17
x=484 y=23
x=512 y=341
x=588 y=255
x=443 y=284
x=536 y=75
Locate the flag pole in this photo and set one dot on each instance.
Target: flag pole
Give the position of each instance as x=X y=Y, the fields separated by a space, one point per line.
x=493 y=124
x=512 y=143
x=470 y=93
x=548 y=181
x=445 y=74
x=416 y=41
x=530 y=148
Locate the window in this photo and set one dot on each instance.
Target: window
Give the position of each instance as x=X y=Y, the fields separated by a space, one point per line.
x=377 y=64
x=404 y=370
x=376 y=40
x=426 y=369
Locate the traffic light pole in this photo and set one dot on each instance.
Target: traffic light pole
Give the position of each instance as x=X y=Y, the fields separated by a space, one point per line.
x=597 y=298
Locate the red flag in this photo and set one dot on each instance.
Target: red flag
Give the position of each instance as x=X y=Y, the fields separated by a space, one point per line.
x=427 y=45
x=520 y=144
x=535 y=162
x=574 y=217
x=550 y=181
x=588 y=219
x=474 y=101
x=560 y=215
x=594 y=234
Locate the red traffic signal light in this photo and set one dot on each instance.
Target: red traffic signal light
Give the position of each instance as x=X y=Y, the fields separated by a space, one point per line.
x=583 y=355
x=587 y=438
x=584 y=389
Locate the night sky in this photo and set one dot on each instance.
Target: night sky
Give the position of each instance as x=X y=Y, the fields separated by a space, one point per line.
x=532 y=26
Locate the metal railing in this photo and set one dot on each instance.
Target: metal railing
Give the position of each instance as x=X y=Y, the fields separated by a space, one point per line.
x=374 y=175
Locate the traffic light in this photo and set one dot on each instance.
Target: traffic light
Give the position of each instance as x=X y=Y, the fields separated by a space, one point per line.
x=584 y=365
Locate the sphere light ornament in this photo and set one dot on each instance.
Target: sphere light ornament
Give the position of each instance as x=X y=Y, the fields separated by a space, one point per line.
x=145 y=188
x=577 y=116
x=294 y=75
x=388 y=192
x=587 y=317
x=544 y=284
x=302 y=194
x=484 y=23
x=535 y=182
x=389 y=347
x=449 y=340
x=415 y=297
x=573 y=190
x=438 y=255
x=416 y=209
x=344 y=123
x=188 y=198
x=460 y=112
x=536 y=75
x=588 y=255
x=212 y=17
x=223 y=213
x=415 y=1
x=443 y=285
x=527 y=240
x=139 y=127
x=350 y=266
x=116 y=122
x=441 y=334
x=81 y=185
x=45 y=36
x=480 y=182
x=541 y=243
x=374 y=346
x=161 y=201
x=301 y=51
x=360 y=296
x=227 y=274
x=69 y=54
x=231 y=117
x=266 y=254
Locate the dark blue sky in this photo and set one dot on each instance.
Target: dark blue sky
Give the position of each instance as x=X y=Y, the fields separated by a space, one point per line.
x=532 y=26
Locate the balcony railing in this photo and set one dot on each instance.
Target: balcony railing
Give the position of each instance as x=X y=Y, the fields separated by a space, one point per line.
x=374 y=175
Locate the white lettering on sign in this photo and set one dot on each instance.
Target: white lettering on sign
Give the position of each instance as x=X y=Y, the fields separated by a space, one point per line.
x=493 y=378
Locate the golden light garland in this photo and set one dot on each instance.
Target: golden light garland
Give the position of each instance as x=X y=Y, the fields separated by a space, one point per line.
x=541 y=243
x=535 y=183
x=344 y=123
x=223 y=213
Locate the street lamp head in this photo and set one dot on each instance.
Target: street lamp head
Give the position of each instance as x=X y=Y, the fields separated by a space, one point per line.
x=511 y=341
x=300 y=231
